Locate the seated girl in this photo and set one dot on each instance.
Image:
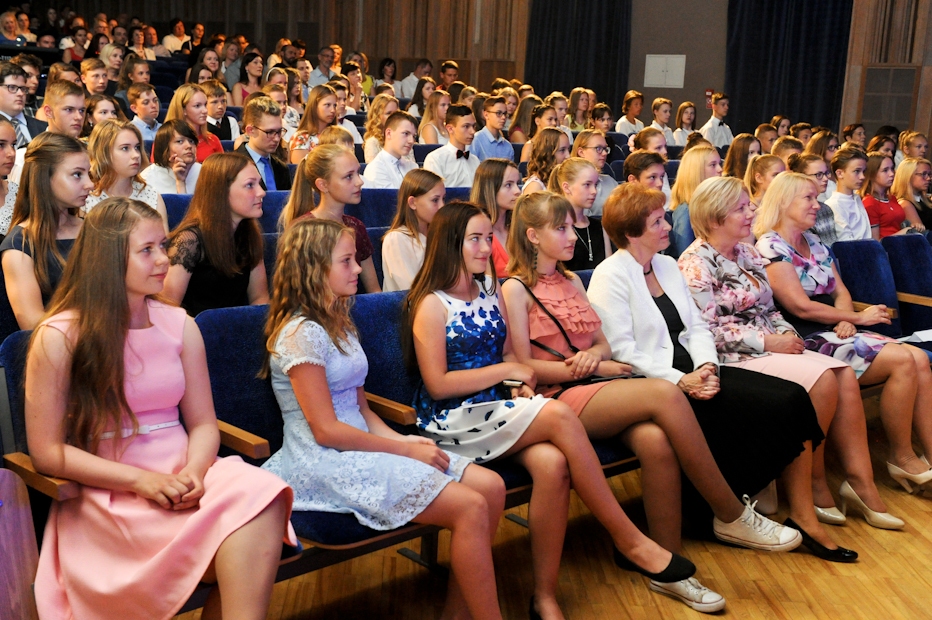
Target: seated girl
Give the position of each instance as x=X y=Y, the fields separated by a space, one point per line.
x=382 y=107
x=216 y=250
x=8 y=188
x=495 y=189
x=100 y=108
x=631 y=108
x=109 y=372
x=698 y=164
x=685 y=123
x=543 y=115
x=577 y=116
x=743 y=149
x=911 y=187
x=592 y=146
x=190 y=104
x=318 y=369
x=521 y=122
x=432 y=129
x=549 y=147
x=320 y=113
x=577 y=180
x=174 y=169
x=419 y=198
x=883 y=210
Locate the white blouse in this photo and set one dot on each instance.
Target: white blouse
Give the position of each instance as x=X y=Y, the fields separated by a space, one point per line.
x=162 y=179
x=402 y=257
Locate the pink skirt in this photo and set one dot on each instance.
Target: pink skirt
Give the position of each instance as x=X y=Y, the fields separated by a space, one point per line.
x=576 y=397
x=804 y=369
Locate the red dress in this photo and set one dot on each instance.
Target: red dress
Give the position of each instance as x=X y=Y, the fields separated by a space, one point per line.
x=207 y=145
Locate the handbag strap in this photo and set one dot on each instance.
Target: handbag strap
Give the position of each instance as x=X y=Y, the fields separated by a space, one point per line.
x=543 y=308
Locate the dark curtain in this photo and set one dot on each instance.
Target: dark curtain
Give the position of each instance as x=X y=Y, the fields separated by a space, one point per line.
x=786 y=57
x=580 y=43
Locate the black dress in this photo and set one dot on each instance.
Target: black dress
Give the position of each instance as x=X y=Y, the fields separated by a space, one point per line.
x=16 y=240
x=208 y=287
x=590 y=247
x=756 y=425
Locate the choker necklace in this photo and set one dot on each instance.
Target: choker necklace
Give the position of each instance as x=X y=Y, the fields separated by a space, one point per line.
x=589 y=244
x=649 y=271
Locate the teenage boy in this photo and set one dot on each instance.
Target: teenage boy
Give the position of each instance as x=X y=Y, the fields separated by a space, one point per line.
x=144 y=103
x=409 y=84
x=715 y=130
x=766 y=134
x=348 y=125
x=490 y=140
x=785 y=146
x=218 y=123
x=449 y=73
x=389 y=167
x=33 y=67
x=453 y=161
x=13 y=91
x=262 y=123
x=65 y=108
x=94 y=74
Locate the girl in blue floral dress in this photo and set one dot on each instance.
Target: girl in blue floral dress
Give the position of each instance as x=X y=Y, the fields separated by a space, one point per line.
x=476 y=401
x=338 y=455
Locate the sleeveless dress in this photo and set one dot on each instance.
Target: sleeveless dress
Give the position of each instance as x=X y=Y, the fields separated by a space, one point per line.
x=480 y=426
x=113 y=554
x=384 y=491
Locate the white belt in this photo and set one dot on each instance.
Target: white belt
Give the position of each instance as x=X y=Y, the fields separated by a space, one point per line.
x=143 y=430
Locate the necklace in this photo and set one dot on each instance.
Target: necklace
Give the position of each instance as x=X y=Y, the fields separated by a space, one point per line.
x=650 y=270
x=588 y=245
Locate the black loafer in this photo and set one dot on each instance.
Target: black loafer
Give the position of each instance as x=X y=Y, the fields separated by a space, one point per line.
x=678 y=569
x=821 y=551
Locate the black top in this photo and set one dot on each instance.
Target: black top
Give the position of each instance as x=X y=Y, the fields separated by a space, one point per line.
x=223 y=129
x=587 y=239
x=16 y=240
x=682 y=361
x=208 y=288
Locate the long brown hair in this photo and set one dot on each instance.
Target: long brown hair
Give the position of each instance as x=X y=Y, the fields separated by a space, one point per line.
x=310 y=122
x=93 y=287
x=100 y=149
x=415 y=184
x=36 y=202
x=874 y=164
x=536 y=210
x=543 y=153
x=209 y=214
x=487 y=182
x=300 y=285
x=443 y=266
x=736 y=161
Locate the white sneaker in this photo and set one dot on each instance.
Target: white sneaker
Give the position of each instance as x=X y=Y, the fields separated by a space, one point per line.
x=691 y=592
x=756 y=532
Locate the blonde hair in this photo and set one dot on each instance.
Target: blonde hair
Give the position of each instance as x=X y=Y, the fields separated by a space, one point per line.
x=902 y=181
x=318 y=164
x=100 y=149
x=584 y=138
x=431 y=115
x=691 y=173
x=374 y=128
x=335 y=134
x=537 y=210
x=779 y=195
x=184 y=94
x=759 y=165
x=566 y=172
x=907 y=137
x=543 y=153
x=712 y=201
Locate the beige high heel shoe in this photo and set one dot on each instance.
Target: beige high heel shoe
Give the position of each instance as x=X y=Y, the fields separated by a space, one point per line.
x=882 y=520
x=904 y=477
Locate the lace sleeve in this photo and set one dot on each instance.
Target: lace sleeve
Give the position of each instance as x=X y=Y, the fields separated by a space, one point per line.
x=302 y=342
x=185 y=250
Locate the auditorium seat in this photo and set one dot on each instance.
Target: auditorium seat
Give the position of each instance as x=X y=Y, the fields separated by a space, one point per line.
x=865 y=270
x=618 y=167
x=269 y=254
x=227 y=145
x=357 y=119
x=360 y=153
x=375 y=237
x=163 y=79
x=164 y=93
x=177 y=205
x=671 y=167
x=235 y=111
x=911 y=263
x=422 y=150
x=518 y=148
x=674 y=152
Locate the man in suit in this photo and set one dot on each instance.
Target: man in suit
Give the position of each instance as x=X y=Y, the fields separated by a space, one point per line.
x=13 y=92
x=262 y=123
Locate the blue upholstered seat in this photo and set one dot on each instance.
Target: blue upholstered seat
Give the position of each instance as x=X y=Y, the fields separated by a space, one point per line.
x=269 y=254
x=422 y=150
x=177 y=205
x=13 y=362
x=674 y=152
x=618 y=167
x=375 y=236
x=235 y=111
x=227 y=145
x=911 y=263
x=360 y=153
x=865 y=270
x=8 y=323
x=518 y=148
x=672 y=167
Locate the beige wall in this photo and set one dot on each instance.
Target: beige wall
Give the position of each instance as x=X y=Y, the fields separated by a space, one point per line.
x=696 y=28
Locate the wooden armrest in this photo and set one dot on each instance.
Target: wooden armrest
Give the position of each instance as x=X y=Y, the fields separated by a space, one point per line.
x=390 y=410
x=909 y=298
x=56 y=488
x=244 y=442
x=860 y=306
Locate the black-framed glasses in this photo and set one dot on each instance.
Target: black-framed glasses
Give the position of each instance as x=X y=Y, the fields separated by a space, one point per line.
x=15 y=88
x=271 y=133
x=601 y=150
x=820 y=175
x=500 y=114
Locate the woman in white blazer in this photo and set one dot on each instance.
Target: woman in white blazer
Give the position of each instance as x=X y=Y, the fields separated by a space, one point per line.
x=757 y=426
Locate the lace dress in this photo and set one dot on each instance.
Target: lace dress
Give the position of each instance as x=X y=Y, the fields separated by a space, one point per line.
x=6 y=211
x=383 y=491
x=208 y=287
x=480 y=426
x=141 y=191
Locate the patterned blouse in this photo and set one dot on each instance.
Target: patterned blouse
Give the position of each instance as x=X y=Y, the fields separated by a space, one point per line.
x=734 y=297
x=815 y=273
x=303 y=141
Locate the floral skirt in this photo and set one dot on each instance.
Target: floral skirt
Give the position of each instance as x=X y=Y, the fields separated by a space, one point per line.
x=858 y=351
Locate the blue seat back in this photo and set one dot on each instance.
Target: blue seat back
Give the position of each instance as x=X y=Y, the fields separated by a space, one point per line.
x=457 y=193
x=13 y=360
x=235 y=346
x=357 y=119
x=674 y=152
x=360 y=154
x=269 y=254
x=865 y=270
x=522 y=169
x=911 y=263
x=672 y=167
x=227 y=145
x=377 y=207
x=375 y=236
x=378 y=319
x=518 y=148
x=236 y=112
x=584 y=276
x=176 y=205
x=618 y=167
x=293 y=170
x=422 y=150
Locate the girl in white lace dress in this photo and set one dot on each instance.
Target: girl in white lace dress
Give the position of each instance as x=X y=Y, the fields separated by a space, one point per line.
x=339 y=456
x=8 y=189
x=117 y=159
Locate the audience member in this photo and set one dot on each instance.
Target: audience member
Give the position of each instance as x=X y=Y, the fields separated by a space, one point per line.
x=661 y=109
x=521 y=123
x=383 y=106
x=550 y=147
x=495 y=190
x=631 y=107
x=743 y=148
x=759 y=175
x=715 y=130
x=408 y=86
x=591 y=145
x=851 y=221
x=389 y=167
x=32 y=66
x=685 y=122
x=425 y=88
x=250 y=78
x=854 y=134
x=344 y=123
x=577 y=179
x=911 y=188
x=152 y=42
x=697 y=164
x=420 y=197
x=144 y=104
x=490 y=140
x=262 y=124
x=218 y=122
x=432 y=129
x=785 y=146
x=454 y=161
x=320 y=112
x=766 y=134
x=8 y=187
x=883 y=209
x=323 y=73
x=174 y=168
x=190 y=104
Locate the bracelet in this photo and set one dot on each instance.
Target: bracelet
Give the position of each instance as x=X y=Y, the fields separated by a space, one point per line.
x=512 y=383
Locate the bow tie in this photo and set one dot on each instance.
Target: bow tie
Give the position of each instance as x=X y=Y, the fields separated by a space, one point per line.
x=463 y=154
x=721 y=123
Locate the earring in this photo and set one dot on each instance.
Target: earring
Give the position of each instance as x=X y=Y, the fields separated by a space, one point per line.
x=534 y=266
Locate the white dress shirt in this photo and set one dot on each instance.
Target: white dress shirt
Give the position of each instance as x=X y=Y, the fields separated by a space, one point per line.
x=717 y=132
x=234 y=126
x=386 y=171
x=680 y=135
x=456 y=172
x=350 y=127
x=407 y=86
x=851 y=221
x=667 y=132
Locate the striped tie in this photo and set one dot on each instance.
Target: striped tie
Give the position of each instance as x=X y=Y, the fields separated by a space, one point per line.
x=18 y=127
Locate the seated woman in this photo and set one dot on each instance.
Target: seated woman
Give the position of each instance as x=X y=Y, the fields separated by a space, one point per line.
x=521 y=122
x=419 y=198
x=216 y=250
x=112 y=55
x=685 y=123
x=432 y=129
x=55 y=184
x=318 y=369
x=174 y=169
x=729 y=285
x=382 y=107
x=652 y=323
x=329 y=178
x=190 y=104
x=698 y=163
x=549 y=147
x=911 y=187
x=495 y=189
x=631 y=108
x=577 y=180
x=815 y=167
x=100 y=108
x=744 y=148
x=158 y=512
x=812 y=297
x=250 y=77
x=577 y=116
x=556 y=332
x=116 y=154
x=883 y=209
x=478 y=402
x=592 y=146
x=8 y=189
x=544 y=115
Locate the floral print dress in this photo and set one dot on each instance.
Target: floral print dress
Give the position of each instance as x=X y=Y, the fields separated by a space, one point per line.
x=818 y=281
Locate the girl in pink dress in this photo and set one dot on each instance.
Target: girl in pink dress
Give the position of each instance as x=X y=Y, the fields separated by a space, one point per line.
x=106 y=374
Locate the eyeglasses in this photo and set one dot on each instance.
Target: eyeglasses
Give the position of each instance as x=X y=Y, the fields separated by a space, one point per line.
x=820 y=175
x=500 y=114
x=271 y=133
x=924 y=175
x=831 y=147
x=15 y=88
x=601 y=150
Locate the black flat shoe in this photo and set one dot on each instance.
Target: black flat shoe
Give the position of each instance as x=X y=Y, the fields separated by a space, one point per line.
x=821 y=551
x=678 y=569
x=531 y=612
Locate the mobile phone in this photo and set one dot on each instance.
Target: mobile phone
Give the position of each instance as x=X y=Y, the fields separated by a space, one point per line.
x=513 y=383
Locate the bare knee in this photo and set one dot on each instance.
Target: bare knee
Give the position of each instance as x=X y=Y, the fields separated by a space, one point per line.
x=921 y=360
x=472 y=511
x=827 y=384
x=486 y=482
x=547 y=465
x=651 y=445
x=847 y=380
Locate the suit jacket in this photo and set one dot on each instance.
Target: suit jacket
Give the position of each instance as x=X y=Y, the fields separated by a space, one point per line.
x=35 y=126
x=280 y=170
x=634 y=325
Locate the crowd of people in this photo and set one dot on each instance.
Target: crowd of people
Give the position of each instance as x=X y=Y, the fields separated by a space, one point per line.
x=706 y=294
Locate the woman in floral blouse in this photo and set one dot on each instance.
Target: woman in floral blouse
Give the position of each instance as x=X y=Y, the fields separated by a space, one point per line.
x=728 y=282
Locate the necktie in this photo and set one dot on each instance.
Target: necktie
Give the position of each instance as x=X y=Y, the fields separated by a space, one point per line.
x=269 y=174
x=18 y=128
x=463 y=154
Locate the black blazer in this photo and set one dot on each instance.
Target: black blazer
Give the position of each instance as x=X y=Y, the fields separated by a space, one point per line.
x=280 y=170
x=35 y=126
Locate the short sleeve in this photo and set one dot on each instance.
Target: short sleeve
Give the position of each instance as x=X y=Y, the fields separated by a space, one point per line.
x=872 y=206
x=301 y=141
x=773 y=248
x=364 y=247
x=302 y=342
x=185 y=250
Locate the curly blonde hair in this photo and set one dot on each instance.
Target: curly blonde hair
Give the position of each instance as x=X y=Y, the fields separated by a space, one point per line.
x=374 y=128
x=543 y=153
